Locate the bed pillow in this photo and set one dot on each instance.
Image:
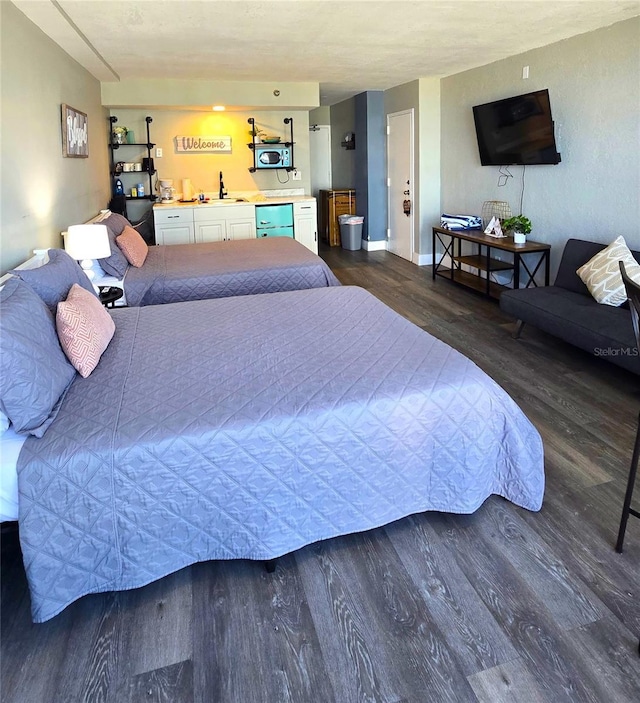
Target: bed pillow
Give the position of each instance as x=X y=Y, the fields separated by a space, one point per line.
x=116 y=264
x=34 y=372
x=133 y=246
x=601 y=274
x=53 y=280
x=116 y=223
x=85 y=329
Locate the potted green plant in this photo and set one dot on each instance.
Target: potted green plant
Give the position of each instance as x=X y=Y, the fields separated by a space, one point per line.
x=255 y=138
x=519 y=226
x=120 y=135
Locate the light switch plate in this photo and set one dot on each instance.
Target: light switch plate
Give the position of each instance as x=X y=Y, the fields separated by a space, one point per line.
x=297 y=176
x=158 y=153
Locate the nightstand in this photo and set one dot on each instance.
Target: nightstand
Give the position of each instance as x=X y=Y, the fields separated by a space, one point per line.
x=109 y=295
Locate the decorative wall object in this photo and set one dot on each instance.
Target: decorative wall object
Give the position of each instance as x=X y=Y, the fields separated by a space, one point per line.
x=75 y=133
x=203 y=144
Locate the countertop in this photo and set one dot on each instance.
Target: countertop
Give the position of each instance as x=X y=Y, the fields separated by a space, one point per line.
x=230 y=202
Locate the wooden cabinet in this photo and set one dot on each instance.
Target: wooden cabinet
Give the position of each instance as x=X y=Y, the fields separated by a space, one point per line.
x=332 y=204
x=222 y=223
x=305 y=227
x=174 y=226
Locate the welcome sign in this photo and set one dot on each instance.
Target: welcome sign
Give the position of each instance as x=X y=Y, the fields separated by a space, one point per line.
x=204 y=144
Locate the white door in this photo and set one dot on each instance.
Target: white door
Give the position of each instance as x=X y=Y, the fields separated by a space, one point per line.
x=304 y=225
x=241 y=229
x=400 y=178
x=211 y=231
x=174 y=234
x=320 y=158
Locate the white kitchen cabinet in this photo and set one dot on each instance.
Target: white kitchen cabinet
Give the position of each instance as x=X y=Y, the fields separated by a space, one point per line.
x=224 y=222
x=228 y=221
x=174 y=226
x=305 y=224
x=210 y=226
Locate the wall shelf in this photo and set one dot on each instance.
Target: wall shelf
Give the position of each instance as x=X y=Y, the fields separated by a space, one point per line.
x=114 y=146
x=261 y=146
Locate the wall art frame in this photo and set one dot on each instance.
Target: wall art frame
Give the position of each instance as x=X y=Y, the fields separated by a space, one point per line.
x=75 y=133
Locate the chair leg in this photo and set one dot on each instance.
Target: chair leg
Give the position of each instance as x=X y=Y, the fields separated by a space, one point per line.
x=626 y=510
x=518 y=329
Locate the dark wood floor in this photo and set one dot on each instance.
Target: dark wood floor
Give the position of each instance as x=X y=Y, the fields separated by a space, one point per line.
x=502 y=605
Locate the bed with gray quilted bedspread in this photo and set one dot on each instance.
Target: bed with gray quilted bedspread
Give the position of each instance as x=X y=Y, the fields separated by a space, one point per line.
x=248 y=427
x=181 y=272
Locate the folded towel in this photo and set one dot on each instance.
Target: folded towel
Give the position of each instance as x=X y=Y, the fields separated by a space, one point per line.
x=460 y=222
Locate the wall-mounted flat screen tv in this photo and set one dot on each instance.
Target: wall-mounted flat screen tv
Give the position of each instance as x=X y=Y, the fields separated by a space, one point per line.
x=516 y=130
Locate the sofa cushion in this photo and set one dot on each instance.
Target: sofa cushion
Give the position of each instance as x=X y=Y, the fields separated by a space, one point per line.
x=599 y=329
x=601 y=274
x=576 y=253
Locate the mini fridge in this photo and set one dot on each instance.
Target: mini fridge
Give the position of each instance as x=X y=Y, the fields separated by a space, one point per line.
x=274 y=220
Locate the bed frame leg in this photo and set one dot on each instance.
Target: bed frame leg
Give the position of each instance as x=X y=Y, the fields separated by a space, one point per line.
x=270 y=565
x=518 y=330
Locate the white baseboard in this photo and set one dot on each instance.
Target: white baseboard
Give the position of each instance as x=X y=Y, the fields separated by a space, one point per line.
x=424 y=259
x=377 y=245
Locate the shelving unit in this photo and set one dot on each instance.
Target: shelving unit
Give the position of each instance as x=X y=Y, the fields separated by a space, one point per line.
x=257 y=147
x=483 y=262
x=114 y=146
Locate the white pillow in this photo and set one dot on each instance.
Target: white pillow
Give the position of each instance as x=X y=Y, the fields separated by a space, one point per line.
x=601 y=274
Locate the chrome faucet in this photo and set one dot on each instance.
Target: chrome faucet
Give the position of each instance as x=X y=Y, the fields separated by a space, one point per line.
x=222 y=192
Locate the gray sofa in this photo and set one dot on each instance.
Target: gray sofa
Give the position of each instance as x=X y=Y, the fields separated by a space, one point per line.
x=567 y=310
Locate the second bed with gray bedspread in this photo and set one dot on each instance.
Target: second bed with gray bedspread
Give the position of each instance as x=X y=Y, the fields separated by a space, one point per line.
x=181 y=272
x=249 y=427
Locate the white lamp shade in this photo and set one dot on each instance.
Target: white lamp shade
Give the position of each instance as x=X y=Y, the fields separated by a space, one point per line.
x=87 y=242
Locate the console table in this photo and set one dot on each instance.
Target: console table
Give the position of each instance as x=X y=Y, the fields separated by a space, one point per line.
x=451 y=241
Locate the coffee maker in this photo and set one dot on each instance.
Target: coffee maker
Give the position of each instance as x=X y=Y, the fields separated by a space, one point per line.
x=167 y=191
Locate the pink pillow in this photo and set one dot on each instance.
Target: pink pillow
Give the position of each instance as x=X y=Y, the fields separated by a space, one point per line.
x=85 y=329
x=133 y=246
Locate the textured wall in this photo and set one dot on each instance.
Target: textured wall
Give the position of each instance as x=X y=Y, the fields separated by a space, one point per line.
x=343 y=120
x=594 y=85
x=42 y=192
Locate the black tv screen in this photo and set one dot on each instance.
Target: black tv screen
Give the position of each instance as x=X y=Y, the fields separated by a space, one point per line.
x=516 y=130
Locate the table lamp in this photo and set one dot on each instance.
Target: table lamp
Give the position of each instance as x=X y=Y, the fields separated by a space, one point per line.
x=85 y=243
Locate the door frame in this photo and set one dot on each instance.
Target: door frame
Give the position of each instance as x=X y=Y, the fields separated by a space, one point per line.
x=412 y=179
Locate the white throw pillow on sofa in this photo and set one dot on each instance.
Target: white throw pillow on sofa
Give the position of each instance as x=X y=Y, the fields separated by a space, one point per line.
x=601 y=274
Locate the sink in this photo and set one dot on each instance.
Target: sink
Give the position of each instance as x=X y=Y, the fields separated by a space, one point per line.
x=226 y=201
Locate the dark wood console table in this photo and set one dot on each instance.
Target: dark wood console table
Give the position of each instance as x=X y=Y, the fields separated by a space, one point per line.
x=451 y=241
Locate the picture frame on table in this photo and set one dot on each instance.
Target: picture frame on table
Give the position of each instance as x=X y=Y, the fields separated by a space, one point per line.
x=75 y=133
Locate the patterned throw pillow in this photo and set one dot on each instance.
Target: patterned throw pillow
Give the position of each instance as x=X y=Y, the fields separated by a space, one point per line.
x=85 y=329
x=133 y=246
x=601 y=274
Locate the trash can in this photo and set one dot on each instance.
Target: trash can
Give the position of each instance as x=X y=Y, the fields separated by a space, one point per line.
x=351 y=231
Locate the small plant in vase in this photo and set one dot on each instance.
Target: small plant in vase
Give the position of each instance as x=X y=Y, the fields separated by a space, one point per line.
x=255 y=136
x=519 y=226
x=119 y=135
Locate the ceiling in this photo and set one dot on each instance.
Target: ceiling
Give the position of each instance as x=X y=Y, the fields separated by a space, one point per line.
x=346 y=47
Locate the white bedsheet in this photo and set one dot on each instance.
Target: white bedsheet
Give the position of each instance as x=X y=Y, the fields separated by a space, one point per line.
x=10 y=446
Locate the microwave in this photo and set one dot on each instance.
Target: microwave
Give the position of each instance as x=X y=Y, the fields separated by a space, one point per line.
x=274 y=157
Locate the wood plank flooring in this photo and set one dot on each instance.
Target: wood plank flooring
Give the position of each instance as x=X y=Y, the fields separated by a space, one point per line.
x=503 y=605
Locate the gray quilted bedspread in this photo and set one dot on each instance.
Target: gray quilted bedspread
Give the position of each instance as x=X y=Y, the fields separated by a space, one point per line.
x=248 y=427
x=174 y=274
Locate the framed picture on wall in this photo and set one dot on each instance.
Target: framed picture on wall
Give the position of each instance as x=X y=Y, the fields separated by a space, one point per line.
x=75 y=133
